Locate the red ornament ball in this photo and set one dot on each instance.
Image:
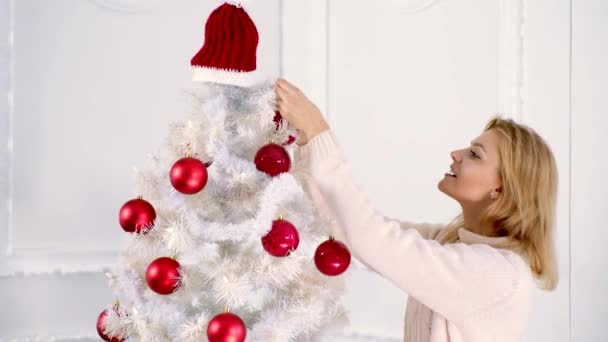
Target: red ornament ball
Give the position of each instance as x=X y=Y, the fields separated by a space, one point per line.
x=290 y=140
x=101 y=324
x=272 y=159
x=281 y=239
x=163 y=275
x=332 y=257
x=189 y=175
x=277 y=119
x=137 y=215
x=226 y=327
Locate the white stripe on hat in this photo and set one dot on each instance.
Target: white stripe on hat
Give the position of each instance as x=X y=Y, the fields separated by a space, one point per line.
x=239 y=3
x=237 y=78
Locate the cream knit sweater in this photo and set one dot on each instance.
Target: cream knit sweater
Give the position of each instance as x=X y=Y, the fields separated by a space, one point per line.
x=469 y=291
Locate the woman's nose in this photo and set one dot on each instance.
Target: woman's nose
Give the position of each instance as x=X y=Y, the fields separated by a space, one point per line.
x=454 y=155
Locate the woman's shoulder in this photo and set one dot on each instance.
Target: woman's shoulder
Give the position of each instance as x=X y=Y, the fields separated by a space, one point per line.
x=499 y=250
x=522 y=276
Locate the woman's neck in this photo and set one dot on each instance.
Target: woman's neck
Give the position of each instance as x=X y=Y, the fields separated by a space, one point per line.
x=472 y=222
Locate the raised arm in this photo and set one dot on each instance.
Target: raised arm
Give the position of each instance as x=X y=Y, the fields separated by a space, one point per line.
x=302 y=173
x=455 y=280
x=427 y=230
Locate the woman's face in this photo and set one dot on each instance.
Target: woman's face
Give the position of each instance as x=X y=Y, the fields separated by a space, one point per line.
x=476 y=170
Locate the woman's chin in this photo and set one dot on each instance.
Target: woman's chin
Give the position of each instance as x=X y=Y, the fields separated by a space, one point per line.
x=442 y=187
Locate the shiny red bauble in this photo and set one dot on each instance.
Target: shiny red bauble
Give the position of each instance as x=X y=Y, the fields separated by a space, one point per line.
x=101 y=323
x=281 y=239
x=137 y=215
x=332 y=257
x=277 y=119
x=163 y=275
x=226 y=327
x=189 y=175
x=272 y=159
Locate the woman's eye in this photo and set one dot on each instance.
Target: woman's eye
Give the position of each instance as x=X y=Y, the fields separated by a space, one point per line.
x=473 y=154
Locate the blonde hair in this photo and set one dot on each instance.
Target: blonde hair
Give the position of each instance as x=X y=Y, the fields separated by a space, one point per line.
x=525 y=211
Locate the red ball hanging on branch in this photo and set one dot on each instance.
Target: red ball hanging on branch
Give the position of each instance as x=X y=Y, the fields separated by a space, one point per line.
x=101 y=324
x=281 y=239
x=137 y=215
x=226 y=327
x=272 y=159
x=163 y=275
x=189 y=175
x=277 y=119
x=332 y=257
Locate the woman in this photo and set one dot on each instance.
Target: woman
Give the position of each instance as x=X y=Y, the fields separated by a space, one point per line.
x=470 y=280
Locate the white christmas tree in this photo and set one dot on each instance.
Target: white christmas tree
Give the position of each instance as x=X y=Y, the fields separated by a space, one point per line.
x=224 y=242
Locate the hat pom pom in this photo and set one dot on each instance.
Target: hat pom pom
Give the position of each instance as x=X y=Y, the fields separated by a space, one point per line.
x=238 y=3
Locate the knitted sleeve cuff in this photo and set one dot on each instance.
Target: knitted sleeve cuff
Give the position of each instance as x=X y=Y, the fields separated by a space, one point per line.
x=319 y=151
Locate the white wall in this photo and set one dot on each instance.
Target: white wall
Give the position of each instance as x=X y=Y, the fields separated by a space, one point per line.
x=589 y=197
x=403 y=82
x=546 y=100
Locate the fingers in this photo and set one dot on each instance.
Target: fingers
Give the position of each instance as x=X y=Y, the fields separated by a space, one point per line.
x=286 y=94
x=281 y=107
x=282 y=93
x=281 y=100
x=283 y=84
x=286 y=86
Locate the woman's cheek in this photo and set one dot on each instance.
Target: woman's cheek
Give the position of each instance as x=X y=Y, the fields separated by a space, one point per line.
x=464 y=184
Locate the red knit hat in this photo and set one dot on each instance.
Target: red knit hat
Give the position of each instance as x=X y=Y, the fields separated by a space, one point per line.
x=228 y=54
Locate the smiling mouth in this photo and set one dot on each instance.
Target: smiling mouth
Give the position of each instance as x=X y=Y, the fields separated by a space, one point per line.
x=451 y=173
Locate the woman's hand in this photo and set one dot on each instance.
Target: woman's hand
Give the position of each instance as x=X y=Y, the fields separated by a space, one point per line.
x=299 y=111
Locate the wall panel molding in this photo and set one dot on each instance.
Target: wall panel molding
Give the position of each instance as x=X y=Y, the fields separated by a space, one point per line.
x=127 y=6
x=511 y=58
x=413 y=6
x=45 y=262
x=6 y=122
x=304 y=38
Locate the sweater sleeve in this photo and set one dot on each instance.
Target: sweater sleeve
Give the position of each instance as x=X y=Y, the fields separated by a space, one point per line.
x=456 y=280
x=302 y=174
x=427 y=230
